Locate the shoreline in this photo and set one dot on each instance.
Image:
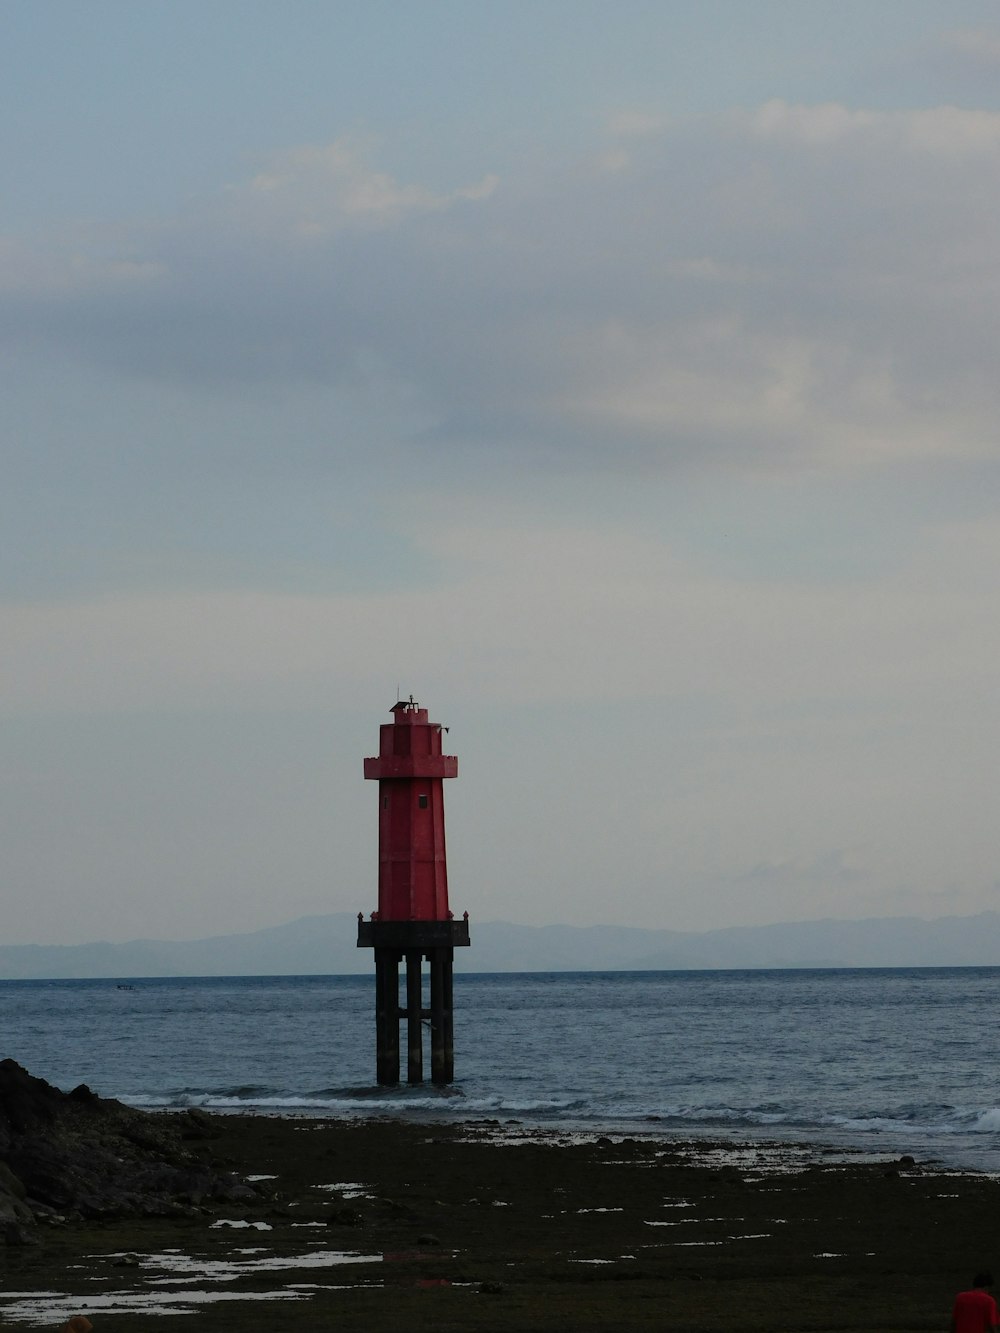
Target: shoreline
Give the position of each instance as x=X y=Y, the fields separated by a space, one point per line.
x=708 y=1148
x=487 y=1225
x=831 y=1146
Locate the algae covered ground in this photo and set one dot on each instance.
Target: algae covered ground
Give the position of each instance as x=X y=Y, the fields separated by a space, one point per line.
x=383 y=1225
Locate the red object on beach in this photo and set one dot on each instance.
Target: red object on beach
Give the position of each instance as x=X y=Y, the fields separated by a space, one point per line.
x=410 y=768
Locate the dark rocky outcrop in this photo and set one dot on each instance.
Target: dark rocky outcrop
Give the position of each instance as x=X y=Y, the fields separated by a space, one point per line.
x=79 y=1155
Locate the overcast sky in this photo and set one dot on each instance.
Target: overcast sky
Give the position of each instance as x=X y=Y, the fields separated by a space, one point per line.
x=619 y=379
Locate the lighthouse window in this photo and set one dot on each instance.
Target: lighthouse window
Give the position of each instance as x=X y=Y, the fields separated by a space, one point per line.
x=422 y=802
x=385 y=803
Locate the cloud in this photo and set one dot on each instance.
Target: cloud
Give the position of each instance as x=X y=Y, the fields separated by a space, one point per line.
x=635 y=124
x=63 y=271
x=813 y=125
x=831 y=868
x=546 y=612
x=945 y=131
x=323 y=188
x=976 y=47
x=790 y=286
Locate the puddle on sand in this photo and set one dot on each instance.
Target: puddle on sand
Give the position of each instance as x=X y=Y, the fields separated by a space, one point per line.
x=350 y=1189
x=177 y=1271
x=183 y=1267
x=42 y=1309
x=770 y=1159
x=241 y=1223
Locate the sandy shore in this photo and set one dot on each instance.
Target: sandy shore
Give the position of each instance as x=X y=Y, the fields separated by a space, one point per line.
x=381 y=1225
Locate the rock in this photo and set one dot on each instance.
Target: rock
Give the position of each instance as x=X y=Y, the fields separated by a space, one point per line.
x=15 y=1228
x=16 y=1217
x=9 y=1183
x=397 y=1208
x=198 y=1124
x=80 y=1154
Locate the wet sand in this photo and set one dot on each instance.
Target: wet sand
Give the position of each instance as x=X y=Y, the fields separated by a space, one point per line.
x=382 y=1225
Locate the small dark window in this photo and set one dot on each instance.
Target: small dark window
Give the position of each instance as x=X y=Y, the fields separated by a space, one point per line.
x=385 y=803
x=422 y=802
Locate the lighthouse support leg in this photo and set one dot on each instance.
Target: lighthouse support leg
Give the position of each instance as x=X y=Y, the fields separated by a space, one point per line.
x=387 y=1016
x=414 y=1015
x=413 y=941
x=442 y=1025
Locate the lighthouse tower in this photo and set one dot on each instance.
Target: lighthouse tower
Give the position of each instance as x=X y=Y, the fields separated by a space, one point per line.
x=413 y=921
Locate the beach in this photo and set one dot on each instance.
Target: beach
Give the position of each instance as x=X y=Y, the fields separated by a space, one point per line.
x=379 y=1224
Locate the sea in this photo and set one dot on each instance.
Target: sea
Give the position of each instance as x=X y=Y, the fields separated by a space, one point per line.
x=876 y=1061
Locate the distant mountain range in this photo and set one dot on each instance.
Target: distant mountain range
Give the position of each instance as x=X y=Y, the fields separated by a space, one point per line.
x=325 y=945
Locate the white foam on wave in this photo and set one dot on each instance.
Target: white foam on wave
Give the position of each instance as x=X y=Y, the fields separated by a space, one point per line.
x=871 y=1124
x=347 y=1107
x=366 y=1103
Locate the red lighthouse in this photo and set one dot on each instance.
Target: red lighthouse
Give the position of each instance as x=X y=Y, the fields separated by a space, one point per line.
x=413 y=920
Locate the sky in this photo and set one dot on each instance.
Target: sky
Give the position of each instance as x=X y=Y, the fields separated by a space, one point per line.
x=618 y=379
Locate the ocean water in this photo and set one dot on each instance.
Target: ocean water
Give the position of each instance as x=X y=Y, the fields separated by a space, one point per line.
x=884 y=1061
